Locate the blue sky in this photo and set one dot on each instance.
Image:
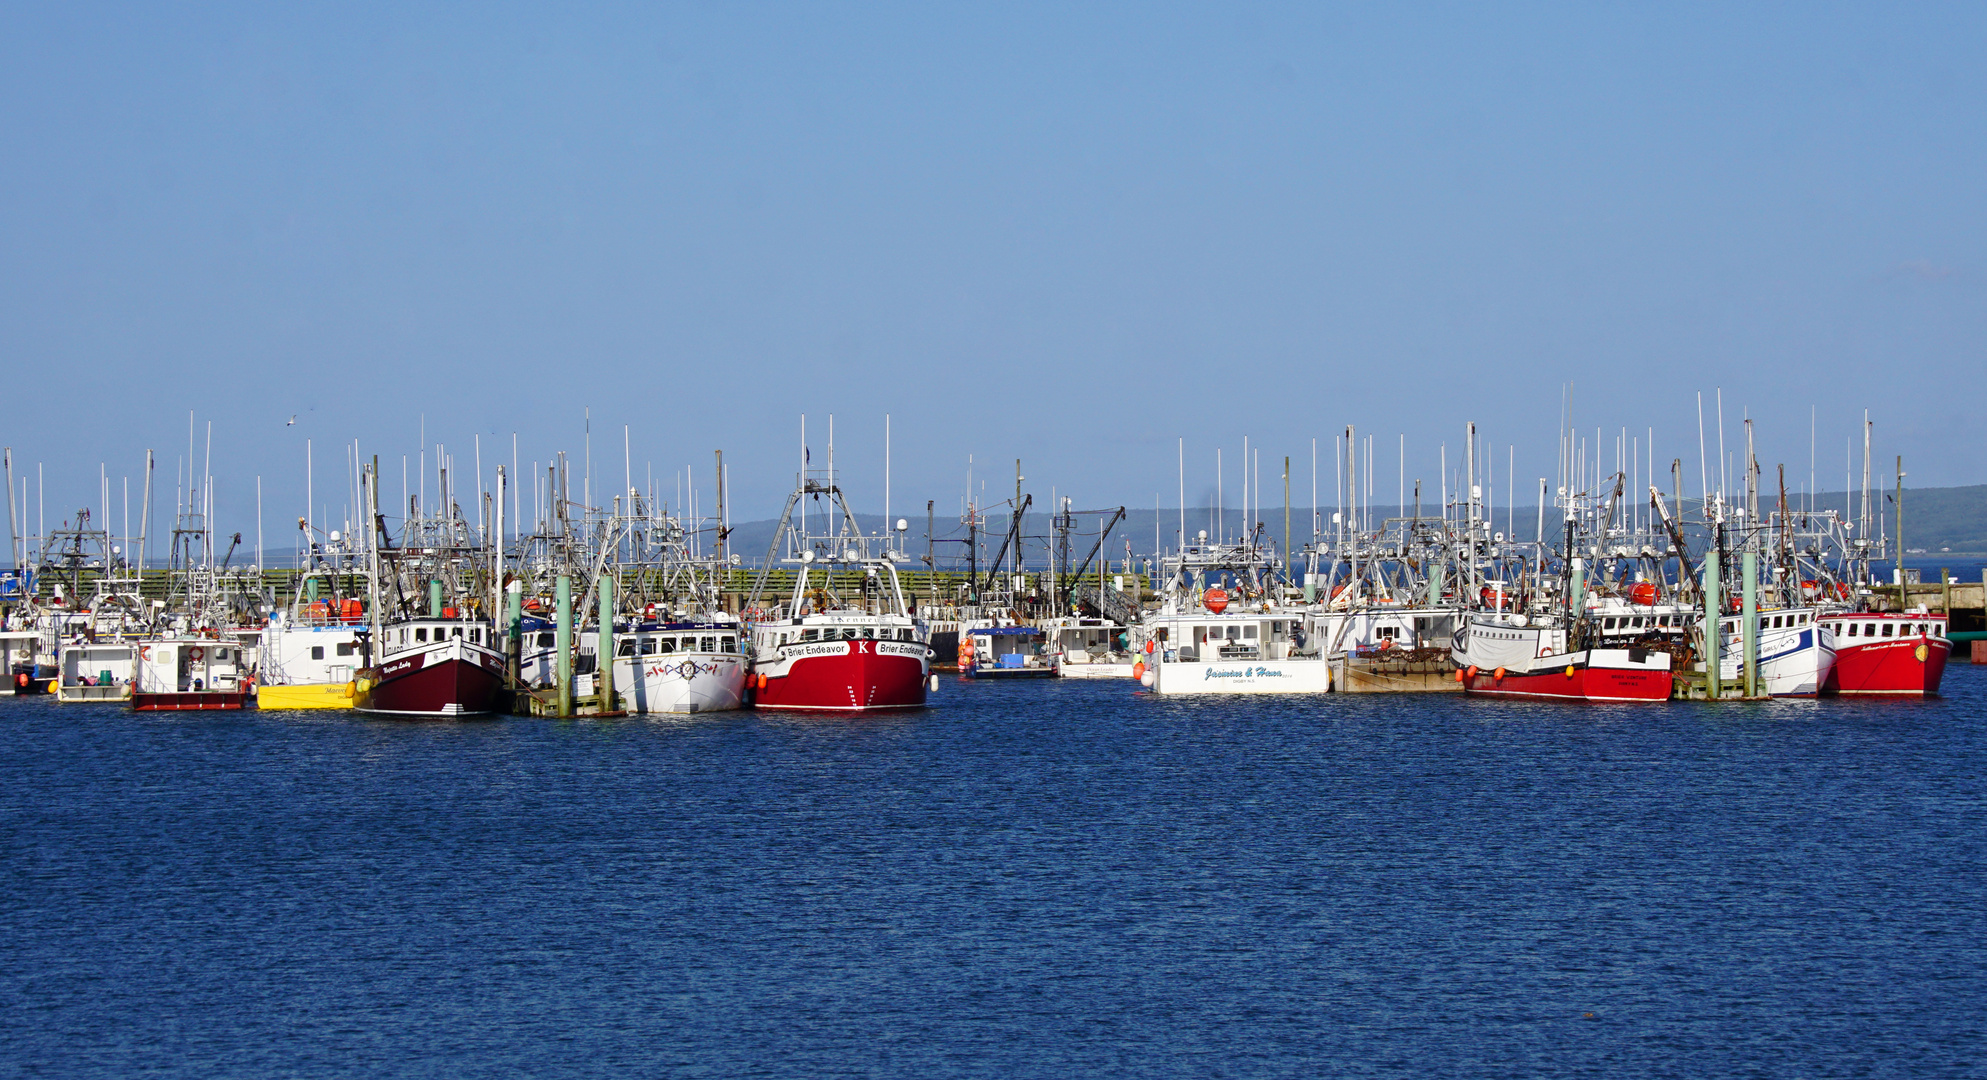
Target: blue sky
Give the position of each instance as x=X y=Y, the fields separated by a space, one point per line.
x=1068 y=236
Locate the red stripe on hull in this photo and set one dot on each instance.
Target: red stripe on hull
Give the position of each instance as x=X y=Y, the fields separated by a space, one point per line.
x=1889 y=667
x=448 y=688
x=857 y=682
x=191 y=701
x=1586 y=684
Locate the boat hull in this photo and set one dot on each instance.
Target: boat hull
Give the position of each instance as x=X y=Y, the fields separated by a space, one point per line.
x=1000 y=674
x=682 y=684
x=190 y=701
x=336 y=695
x=1096 y=670
x=1598 y=675
x=1901 y=667
x=448 y=680
x=1791 y=663
x=1241 y=677
x=846 y=676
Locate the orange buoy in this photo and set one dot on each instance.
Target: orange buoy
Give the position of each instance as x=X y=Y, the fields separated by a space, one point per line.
x=1216 y=600
x=1148 y=648
x=1498 y=675
x=1459 y=674
x=1643 y=592
x=448 y=613
x=1138 y=669
x=1569 y=671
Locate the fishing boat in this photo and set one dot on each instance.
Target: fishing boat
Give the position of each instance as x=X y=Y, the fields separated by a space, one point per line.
x=1511 y=654
x=1007 y=652
x=1886 y=653
x=1796 y=652
x=26 y=674
x=1203 y=640
x=839 y=652
x=438 y=666
x=686 y=667
x=310 y=656
x=1087 y=648
x=190 y=673
x=96 y=671
x=845 y=640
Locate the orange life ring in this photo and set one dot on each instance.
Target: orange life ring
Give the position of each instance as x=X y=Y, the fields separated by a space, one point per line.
x=196 y=653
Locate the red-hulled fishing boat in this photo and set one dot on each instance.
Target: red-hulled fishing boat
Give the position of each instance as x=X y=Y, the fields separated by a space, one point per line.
x=1512 y=655
x=433 y=667
x=845 y=640
x=1881 y=653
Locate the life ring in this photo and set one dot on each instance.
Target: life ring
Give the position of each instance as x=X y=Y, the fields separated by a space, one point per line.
x=144 y=652
x=196 y=653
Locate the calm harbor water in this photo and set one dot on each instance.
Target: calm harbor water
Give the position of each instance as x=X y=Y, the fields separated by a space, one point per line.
x=1026 y=880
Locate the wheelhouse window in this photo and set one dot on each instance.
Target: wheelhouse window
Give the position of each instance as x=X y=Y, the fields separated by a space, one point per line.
x=317 y=652
x=420 y=633
x=730 y=644
x=810 y=635
x=648 y=646
x=708 y=644
x=1887 y=629
x=665 y=645
x=545 y=641
x=347 y=648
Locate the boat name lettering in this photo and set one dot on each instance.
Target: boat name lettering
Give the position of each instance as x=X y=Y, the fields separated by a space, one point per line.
x=1245 y=673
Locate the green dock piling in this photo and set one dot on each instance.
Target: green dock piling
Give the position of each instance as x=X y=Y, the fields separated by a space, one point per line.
x=603 y=679
x=562 y=644
x=514 y=624
x=1749 y=620
x=434 y=598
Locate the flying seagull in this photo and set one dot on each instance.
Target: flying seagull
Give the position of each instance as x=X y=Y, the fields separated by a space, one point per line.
x=293 y=421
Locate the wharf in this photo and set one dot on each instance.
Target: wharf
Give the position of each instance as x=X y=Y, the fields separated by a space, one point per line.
x=1408 y=671
x=545 y=703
